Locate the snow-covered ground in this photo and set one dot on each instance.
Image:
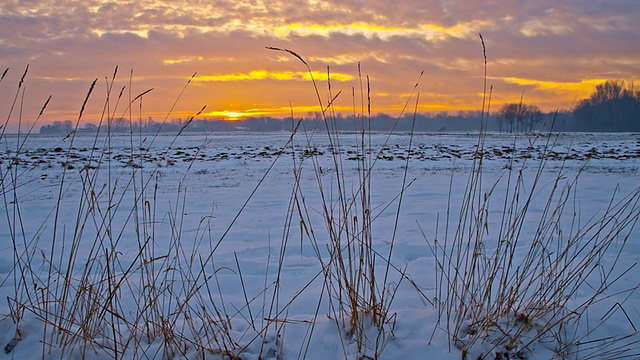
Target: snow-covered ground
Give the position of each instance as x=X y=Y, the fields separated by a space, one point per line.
x=220 y=229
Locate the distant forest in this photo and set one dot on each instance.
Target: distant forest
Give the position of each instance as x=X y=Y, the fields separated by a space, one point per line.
x=613 y=107
x=441 y=122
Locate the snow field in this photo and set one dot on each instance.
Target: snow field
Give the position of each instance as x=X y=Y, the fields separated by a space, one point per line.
x=213 y=215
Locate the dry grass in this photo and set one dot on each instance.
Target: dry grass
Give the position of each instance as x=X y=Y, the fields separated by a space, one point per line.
x=79 y=295
x=360 y=296
x=504 y=289
x=497 y=296
x=496 y=287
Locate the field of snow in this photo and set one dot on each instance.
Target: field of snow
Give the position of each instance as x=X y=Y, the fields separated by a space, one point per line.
x=219 y=246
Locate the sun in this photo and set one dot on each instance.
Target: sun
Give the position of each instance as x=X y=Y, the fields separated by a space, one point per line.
x=228 y=114
x=233 y=115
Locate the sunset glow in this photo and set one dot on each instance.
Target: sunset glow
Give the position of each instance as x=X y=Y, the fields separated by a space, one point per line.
x=277 y=75
x=549 y=53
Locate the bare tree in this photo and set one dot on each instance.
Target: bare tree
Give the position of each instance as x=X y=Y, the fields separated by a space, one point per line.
x=531 y=116
x=519 y=117
x=508 y=115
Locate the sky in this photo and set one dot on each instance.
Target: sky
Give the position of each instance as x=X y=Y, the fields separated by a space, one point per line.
x=198 y=53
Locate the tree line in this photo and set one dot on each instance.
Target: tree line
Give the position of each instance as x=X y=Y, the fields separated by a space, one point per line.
x=440 y=122
x=613 y=106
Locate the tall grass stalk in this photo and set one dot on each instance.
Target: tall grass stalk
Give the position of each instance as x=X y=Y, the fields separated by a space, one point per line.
x=502 y=291
x=359 y=297
x=87 y=282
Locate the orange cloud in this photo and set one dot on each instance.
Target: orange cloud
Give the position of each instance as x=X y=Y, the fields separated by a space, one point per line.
x=167 y=41
x=427 y=31
x=580 y=88
x=273 y=75
x=183 y=59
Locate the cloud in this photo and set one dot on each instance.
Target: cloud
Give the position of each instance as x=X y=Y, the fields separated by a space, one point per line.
x=68 y=43
x=275 y=75
x=562 y=87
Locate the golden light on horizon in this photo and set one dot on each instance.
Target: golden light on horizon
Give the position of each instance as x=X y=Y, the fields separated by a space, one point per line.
x=231 y=115
x=277 y=112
